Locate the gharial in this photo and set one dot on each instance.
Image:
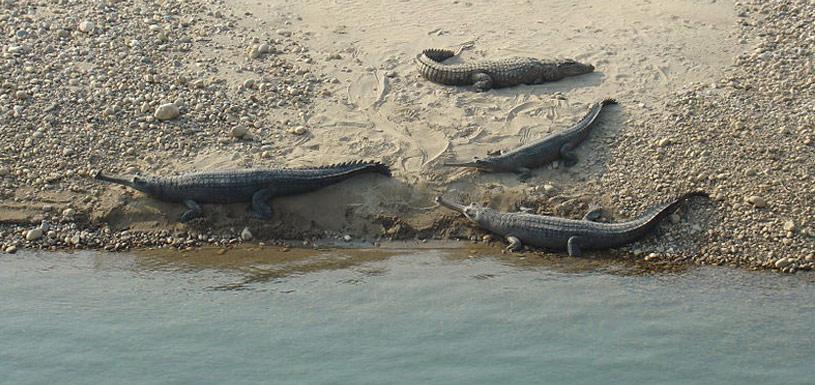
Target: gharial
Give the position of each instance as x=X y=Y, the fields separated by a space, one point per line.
x=558 y=234
x=242 y=185
x=540 y=152
x=495 y=73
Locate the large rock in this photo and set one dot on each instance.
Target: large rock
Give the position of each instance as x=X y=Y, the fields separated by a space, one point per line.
x=33 y=234
x=167 y=111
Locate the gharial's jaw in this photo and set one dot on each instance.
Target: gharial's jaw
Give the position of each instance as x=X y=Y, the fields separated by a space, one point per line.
x=472 y=164
x=117 y=179
x=574 y=68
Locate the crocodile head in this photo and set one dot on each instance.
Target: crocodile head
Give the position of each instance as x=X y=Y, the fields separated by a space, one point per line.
x=571 y=67
x=137 y=182
x=473 y=211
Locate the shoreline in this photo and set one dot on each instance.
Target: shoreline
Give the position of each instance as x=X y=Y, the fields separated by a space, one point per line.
x=84 y=87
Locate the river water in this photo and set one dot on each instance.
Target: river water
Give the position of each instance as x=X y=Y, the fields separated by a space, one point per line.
x=396 y=317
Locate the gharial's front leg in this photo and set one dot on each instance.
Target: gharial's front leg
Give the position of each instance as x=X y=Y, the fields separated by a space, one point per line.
x=514 y=243
x=260 y=203
x=482 y=82
x=568 y=154
x=193 y=212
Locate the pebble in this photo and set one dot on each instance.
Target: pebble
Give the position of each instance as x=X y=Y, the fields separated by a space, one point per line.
x=239 y=131
x=132 y=170
x=33 y=234
x=789 y=226
x=167 y=111
x=756 y=201
x=346 y=238
x=283 y=32
x=783 y=262
x=11 y=249
x=246 y=235
x=86 y=26
x=68 y=213
x=299 y=130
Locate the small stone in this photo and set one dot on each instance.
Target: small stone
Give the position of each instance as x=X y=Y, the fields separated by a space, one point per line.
x=333 y=56
x=487 y=238
x=131 y=170
x=11 y=249
x=167 y=111
x=548 y=187
x=789 y=226
x=249 y=83
x=3 y=171
x=264 y=48
x=246 y=235
x=346 y=238
x=86 y=26
x=664 y=142
x=299 y=130
x=283 y=32
x=675 y=218
x=33 y=234
x=756 y=201
x=783 y=262
x=69 y=212
x=651 y=256
x=239 y=131
x=22 y=95
x=390 y=74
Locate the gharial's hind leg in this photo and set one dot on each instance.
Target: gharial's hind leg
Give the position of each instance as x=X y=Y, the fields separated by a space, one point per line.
x=260 y=204
x=573 y=246
x=482 y=82
x=523 y=173
x=193 y=212
x=594 y=213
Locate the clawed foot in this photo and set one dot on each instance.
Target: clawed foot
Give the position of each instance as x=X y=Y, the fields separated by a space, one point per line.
x=261 y=214
x=190 y=215
x=515 y=244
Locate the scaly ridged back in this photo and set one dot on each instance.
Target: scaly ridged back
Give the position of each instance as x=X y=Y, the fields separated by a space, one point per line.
x=547 y=149
x=239 y=185
x=554 y=232
x=504 y=71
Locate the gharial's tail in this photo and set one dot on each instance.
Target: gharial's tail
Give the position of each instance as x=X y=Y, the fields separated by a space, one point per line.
x=437 y=55
x=359 y=167
x=655 y=214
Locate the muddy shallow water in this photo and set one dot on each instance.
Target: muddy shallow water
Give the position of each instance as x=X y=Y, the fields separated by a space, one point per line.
x=395 y=317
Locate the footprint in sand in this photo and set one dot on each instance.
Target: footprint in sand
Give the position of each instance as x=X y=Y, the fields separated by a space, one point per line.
x=368 y=90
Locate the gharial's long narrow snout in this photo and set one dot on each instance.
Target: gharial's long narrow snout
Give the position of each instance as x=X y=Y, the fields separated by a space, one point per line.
x=460 y=164
x=450 y=204
x=118 y=179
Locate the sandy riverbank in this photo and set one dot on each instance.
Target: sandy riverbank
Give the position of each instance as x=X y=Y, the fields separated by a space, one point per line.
x=715 y=96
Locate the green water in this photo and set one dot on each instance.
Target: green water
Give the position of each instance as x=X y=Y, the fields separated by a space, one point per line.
x=414 y=318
